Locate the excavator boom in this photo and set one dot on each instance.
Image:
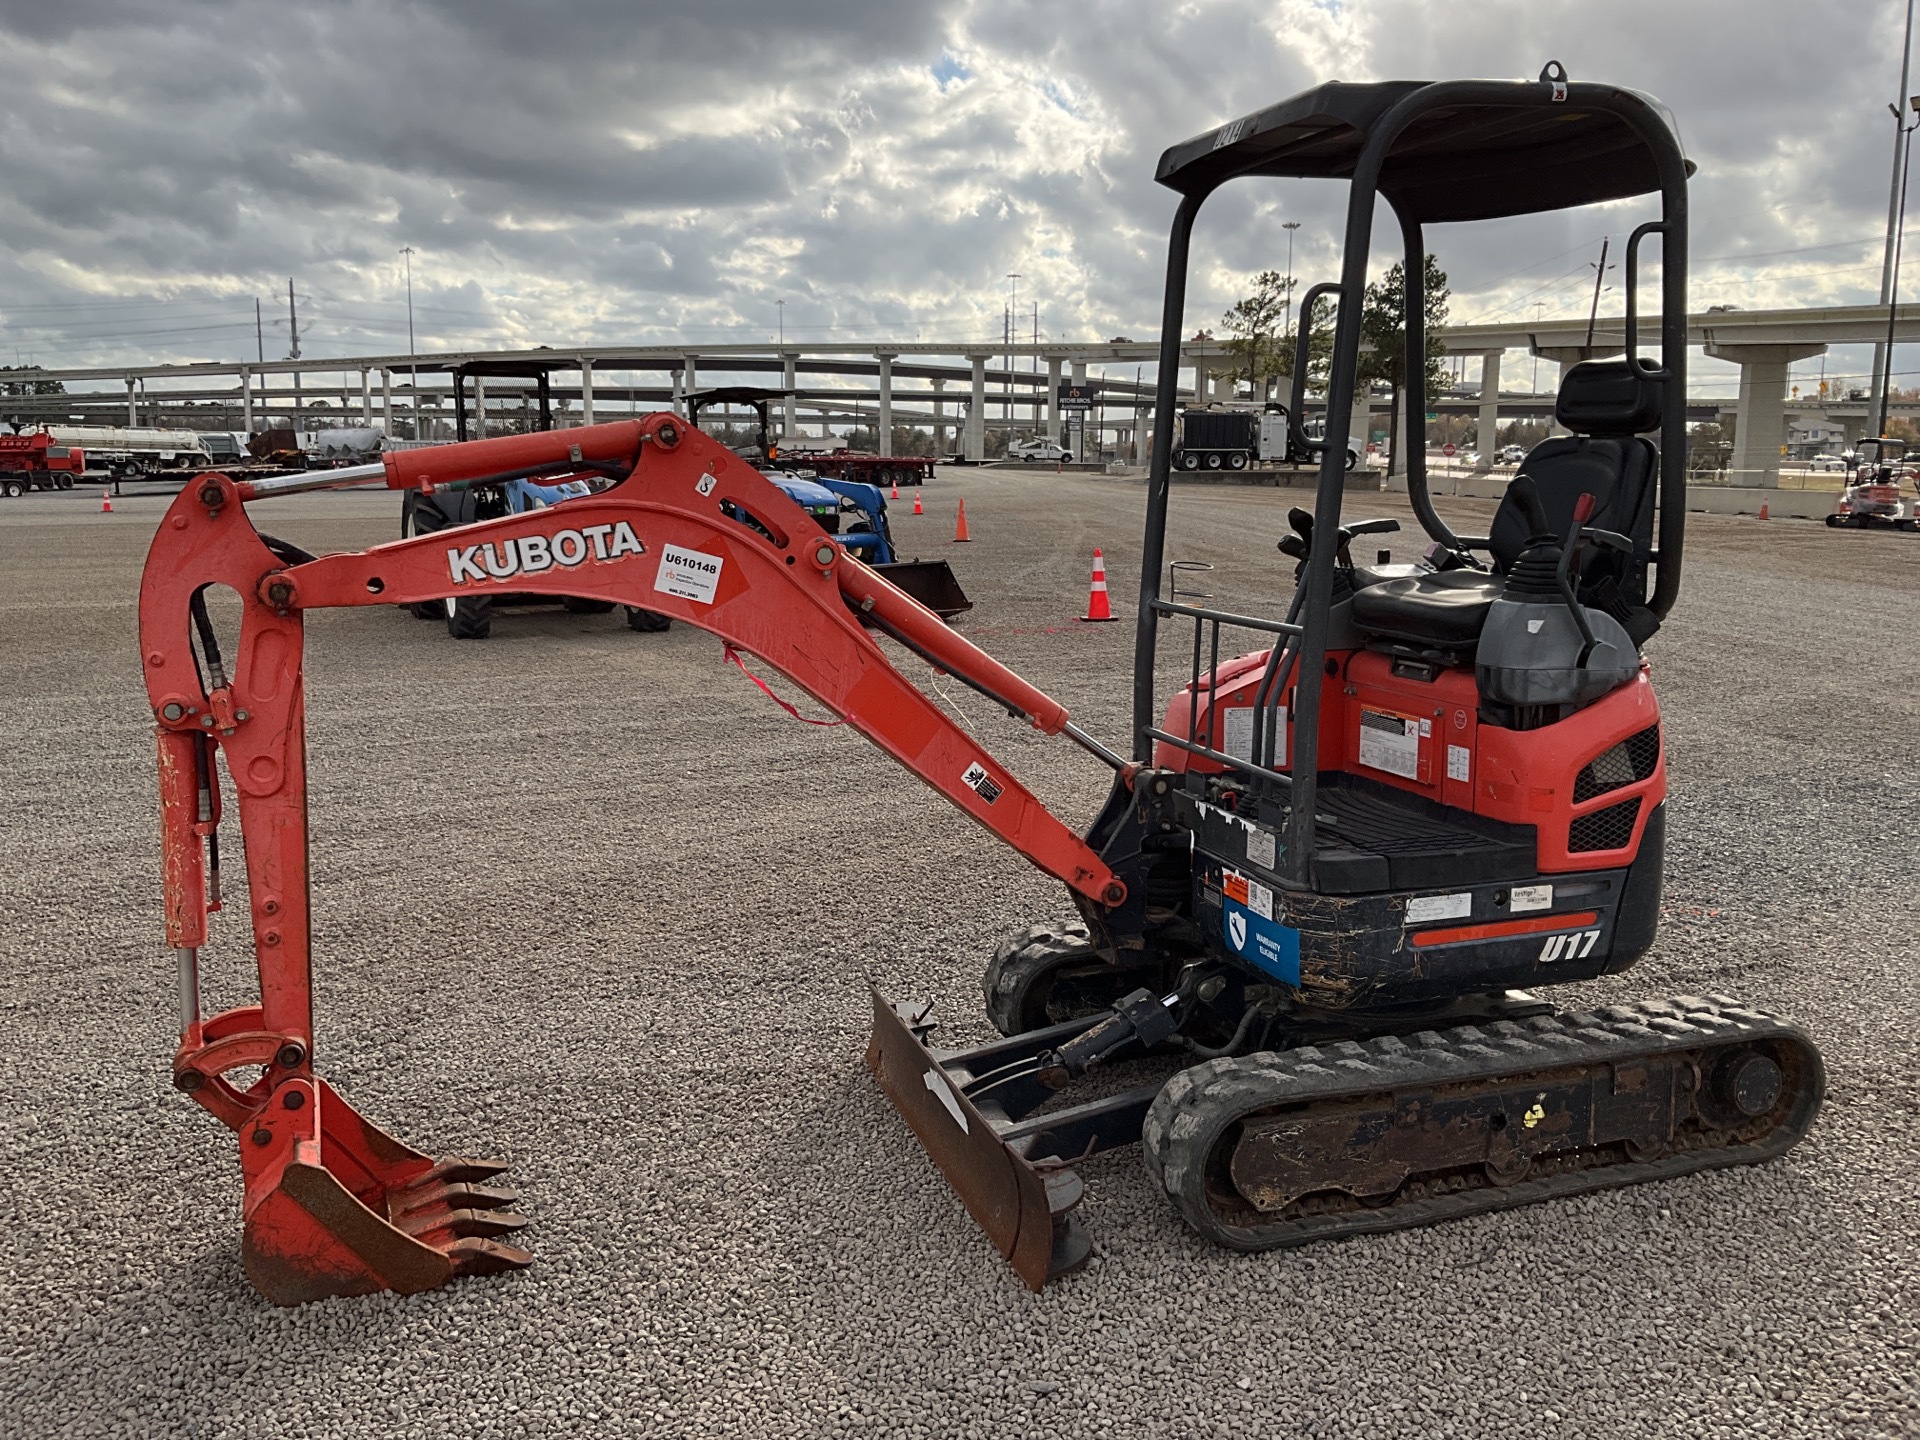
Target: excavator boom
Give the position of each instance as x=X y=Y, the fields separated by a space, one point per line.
x=334 y=1206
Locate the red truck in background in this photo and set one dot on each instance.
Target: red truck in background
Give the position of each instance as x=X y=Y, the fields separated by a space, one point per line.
x=36 y=461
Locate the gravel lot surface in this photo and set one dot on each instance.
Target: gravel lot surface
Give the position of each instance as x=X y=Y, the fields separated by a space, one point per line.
x=587 y=901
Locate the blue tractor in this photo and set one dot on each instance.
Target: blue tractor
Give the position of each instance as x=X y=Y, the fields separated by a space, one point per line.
x=854 y=512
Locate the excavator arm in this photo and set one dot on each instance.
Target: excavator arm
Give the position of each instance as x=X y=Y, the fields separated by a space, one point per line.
x=333 y=1205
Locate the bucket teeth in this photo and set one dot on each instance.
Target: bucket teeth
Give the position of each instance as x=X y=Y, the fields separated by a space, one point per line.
x=416 y=1200
x=444 y=1204
x=455 y=1169
x=475 y=1255
x=460 y=1222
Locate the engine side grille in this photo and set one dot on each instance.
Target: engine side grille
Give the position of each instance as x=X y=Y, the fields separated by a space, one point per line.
x=1627 y=763
x=1607 y=829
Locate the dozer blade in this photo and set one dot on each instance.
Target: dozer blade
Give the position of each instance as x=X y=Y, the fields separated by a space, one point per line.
x=336 y=1206
x=931 y=582
x=1026 y=1211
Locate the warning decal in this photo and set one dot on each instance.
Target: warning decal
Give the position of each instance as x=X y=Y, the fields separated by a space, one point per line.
x=975 y=778
x=1391 y=743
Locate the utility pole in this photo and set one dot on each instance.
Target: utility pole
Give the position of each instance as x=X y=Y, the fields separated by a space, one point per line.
x=781 y=306
x=1894 y=189
x=1599 y=274
x=413 y=359
x=293 y=330
x=1286 y=327
x=259 y=332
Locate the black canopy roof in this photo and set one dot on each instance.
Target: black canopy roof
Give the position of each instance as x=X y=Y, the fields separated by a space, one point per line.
x=737 y=395
x=1498 y=148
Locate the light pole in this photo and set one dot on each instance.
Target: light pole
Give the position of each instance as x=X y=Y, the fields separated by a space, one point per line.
x=413 y=364
x=1900 y=224
x=1013 y=304
x=781 y=306
x=1533 y=386
x=1895 y=190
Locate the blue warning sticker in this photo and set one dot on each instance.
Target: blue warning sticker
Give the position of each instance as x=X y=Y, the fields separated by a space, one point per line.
x=1273 y=947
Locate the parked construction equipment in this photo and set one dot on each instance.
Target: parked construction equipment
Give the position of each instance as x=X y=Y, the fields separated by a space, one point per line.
x=837 y=499
x=1871 y=496
x=34 y=460
x=1313 y=883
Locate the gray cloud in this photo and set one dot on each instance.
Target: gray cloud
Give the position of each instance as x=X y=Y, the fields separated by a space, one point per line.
x=602 y=171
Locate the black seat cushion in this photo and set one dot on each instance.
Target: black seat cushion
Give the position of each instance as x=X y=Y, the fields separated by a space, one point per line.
x=1445 y=608
x=1619 y=472
x=1609 y=404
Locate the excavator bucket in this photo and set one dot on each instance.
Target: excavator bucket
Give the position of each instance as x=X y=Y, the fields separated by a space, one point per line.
x=1025 y=1207
x=931 y=582
x=336 y=1206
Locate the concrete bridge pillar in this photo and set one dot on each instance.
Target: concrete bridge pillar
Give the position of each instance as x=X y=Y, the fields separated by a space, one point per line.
x=366 y=396
x=885 y=362
x=789 y=371
x=1079 y=448
x=1761 y=421
x=1053 y=398
x=1360 y=425
x=133 y=406
x=977 y=411
x=690 y=381
x=1489 y=437
x=246 y=398
x=586 y=391
x=479 y=407
x=386 y=400
x=939 y=417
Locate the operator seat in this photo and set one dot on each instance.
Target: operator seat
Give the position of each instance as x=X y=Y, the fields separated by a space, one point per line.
x=1608 y=408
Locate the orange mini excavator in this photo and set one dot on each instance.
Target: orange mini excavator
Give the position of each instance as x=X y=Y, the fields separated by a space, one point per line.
x=1322 y=876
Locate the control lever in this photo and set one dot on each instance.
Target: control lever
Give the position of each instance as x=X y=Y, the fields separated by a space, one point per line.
x=1582 y=512
x=1384 y=525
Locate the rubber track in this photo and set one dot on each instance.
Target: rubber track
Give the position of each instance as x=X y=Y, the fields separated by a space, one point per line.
x=1200 y=1103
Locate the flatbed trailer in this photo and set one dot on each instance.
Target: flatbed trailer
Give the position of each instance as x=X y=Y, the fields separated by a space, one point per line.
x=866 y=469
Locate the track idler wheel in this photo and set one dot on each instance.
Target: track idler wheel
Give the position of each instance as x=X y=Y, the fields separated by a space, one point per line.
x=336 y=1206
x=1048 y=974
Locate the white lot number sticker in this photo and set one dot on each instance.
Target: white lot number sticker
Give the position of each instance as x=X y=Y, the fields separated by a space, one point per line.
x=1523 y=898
x=1237 y=733
x=1390 y=743
x=1439 y=907
x=688 y=574
x=1459 y=763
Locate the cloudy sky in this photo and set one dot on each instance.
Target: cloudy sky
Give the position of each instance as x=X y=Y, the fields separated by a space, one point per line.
x=611 y=171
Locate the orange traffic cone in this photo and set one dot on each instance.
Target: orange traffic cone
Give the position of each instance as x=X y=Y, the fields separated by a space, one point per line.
x=1097 y=606
x=916 y=504
x=106 y=502
x=896 y=493
x=960 y=536
x=1763 y=513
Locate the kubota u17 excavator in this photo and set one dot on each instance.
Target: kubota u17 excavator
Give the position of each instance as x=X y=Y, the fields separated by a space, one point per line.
x=1318 y=880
